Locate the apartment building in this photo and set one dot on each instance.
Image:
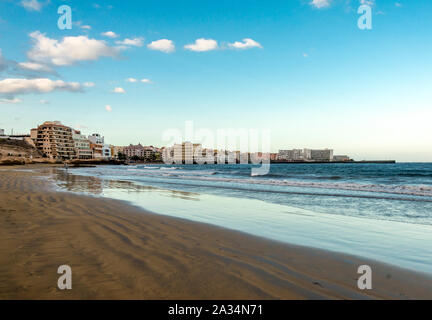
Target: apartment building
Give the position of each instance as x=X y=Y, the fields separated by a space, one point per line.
x=115 y=150
x=306 y=155
x=97 y=143
x=291 y=155
x=318 y=154
x=54 y=140
x=106 y=151
x=141 y=151
x=187 y=153
x=82 y=145
x=134 y=150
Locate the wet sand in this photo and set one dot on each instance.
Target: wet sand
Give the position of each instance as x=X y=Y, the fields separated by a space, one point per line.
x=118 y=251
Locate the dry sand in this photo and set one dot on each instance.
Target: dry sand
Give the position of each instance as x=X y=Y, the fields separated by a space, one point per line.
x=118 y=251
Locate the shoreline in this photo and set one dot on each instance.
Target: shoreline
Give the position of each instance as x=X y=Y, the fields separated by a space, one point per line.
x=94 y=162
x=119 y=251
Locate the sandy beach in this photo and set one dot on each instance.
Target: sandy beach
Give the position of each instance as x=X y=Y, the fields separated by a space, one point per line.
x=119 y=251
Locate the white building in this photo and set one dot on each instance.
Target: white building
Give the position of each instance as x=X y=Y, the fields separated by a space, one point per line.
x=97 y=143
x=306 y=155
x=186 y=152
x=291 y=155
x=318 y=154
x=106 y=151
x=82 y=145
x=96 y=138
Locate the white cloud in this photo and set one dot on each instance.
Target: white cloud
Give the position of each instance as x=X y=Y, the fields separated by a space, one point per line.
x=368 y=2
x=69 y=50
x=398 y=4
x=118 y=90
x=202 y=45
x=40 y=85
x=80 y=25
x=34 y=66
x=44 y=101
x=108 y=108
x=109 y=34
x=13 y=100
x=163 y=45
x=320 y=3
x=137 y=42
x=89 y=84
x=133 y=80
x=31 y=5
x=245 y=44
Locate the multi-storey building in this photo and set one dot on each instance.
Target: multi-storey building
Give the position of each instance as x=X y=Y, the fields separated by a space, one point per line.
x=318 y=154
x=115 y=150
x=54 y=140
x=134 y=150
x=291 y=155
x=306 y=155
x=82 y=145
x=185 y=152
x=97 y=143
x=106 y=151
x=141 y=151
x=341 y=158
x=96 y=138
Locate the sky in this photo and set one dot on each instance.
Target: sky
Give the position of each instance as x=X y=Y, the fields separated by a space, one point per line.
x=130 y=70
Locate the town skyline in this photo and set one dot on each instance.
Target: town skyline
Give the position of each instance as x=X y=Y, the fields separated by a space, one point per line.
x=303 y=69
x=59 y=142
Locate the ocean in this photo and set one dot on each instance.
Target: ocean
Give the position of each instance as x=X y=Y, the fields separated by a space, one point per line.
x=378 y=211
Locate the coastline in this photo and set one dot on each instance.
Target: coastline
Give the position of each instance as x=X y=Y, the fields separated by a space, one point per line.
x=119 y=251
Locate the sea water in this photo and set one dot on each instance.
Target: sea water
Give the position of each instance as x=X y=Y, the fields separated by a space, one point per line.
x=378 y=211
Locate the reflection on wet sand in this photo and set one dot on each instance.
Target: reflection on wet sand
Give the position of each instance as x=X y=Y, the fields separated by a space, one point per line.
x=96 y=186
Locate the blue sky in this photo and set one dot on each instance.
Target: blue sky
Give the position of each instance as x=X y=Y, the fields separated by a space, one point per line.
x=308 y=72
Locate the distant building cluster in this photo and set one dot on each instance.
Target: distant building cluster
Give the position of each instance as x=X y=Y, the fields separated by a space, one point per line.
x=189 y=153
x=310 y=155
x=140 y=151
x=57 y=141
